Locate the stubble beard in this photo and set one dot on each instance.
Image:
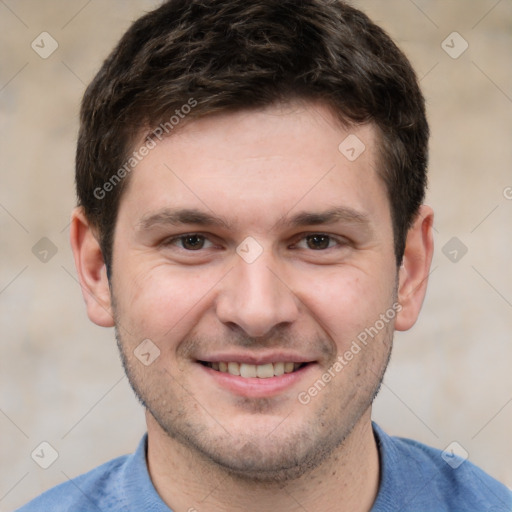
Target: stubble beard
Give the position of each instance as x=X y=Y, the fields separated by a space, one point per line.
x=273 y=457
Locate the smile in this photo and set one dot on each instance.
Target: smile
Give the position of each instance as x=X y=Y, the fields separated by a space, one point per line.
x=260 y=371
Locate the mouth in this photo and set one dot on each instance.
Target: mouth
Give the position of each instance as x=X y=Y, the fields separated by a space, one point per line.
x=251 y=371
x=258 y=375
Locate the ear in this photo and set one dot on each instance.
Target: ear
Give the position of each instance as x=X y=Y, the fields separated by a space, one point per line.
x=414 y=271
x=91 y=270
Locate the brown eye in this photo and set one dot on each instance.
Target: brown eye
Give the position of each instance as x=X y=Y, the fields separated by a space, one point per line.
x=318 y=241
x=192 y=242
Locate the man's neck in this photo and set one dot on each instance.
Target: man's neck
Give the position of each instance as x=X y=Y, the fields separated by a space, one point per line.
x=347 y=481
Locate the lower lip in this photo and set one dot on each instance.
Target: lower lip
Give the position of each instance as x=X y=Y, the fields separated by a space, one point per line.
x=256 y=387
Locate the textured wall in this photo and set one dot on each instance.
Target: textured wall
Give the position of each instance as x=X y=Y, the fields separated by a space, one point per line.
x=61 y=380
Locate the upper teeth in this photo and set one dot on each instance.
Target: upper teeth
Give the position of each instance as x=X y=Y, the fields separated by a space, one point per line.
x=262 y=371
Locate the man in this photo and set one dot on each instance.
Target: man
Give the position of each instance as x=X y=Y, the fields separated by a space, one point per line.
x=250 y=177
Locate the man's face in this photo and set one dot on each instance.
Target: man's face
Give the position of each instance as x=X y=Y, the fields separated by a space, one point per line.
x=251 y=239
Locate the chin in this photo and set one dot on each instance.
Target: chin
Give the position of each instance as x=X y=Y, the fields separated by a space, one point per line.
x=252 y=464
x=259 y=457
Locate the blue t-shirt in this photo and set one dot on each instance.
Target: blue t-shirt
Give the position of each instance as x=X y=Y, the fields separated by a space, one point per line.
x=414 y=478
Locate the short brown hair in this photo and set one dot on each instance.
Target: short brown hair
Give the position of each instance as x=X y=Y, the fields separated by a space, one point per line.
x=229 y=55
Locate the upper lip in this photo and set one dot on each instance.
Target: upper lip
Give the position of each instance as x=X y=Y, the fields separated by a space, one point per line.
x=257 y=359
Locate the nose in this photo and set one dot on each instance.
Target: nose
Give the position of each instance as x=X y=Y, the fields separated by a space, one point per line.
x=256 y=298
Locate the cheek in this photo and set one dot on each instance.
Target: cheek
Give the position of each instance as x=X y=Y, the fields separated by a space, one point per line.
x=162 y=302
x=346 y=301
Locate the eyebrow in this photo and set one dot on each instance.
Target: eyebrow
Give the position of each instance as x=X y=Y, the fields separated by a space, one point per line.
x=181 y=216
x=331 y=216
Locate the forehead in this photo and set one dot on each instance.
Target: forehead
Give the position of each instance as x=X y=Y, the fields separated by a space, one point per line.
x=280 y=158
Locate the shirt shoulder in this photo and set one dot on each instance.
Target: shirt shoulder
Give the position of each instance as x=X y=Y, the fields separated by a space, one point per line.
x=121 y=485
x=93 y=491
x=416 y=477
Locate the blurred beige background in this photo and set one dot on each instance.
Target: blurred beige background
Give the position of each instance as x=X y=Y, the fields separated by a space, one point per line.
x=61 y=381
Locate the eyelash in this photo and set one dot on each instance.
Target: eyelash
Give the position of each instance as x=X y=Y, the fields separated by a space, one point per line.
x=172 y=241
x=341 y=242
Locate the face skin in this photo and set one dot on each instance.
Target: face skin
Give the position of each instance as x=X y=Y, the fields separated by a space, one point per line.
x=300 y=289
